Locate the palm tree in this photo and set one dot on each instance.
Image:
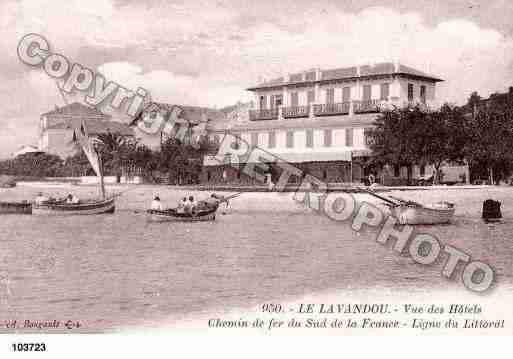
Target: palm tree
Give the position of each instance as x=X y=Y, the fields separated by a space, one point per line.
x=113 y=149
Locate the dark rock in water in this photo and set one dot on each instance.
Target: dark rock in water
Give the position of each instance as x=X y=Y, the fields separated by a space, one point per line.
x=491 y=210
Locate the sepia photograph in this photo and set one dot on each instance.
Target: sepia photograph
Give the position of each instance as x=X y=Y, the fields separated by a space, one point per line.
x=235 y=167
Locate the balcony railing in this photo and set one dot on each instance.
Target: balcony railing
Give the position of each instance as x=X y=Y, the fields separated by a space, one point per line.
x=271 y=114
x=367 y=106
x=327 y=109
x=297 y=111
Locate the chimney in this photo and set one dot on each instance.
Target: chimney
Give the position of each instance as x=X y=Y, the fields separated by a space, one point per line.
x=358 y=70
x=396 y=65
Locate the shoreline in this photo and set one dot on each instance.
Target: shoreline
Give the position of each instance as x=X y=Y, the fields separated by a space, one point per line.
x=256 y=189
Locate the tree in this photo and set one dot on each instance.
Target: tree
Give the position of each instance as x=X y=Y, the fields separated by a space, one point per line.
x=113 y=149
x=473 y=101
x=408 y=136
x=37 y=164
x=490 y=139
x=442 y=138
x=397 y=137
x=78 y=165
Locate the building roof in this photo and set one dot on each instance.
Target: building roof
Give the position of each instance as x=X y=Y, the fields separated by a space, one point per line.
x=77 y=109
x=71 y=116
x=347 y=73
x=94 y=127
x=27 y=149
x=194 y=114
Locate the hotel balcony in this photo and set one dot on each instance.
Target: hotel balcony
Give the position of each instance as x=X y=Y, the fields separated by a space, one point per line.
x=368 y=106
x=271 y=114
x=328 y=109
x=321 y=110
x=295 y=112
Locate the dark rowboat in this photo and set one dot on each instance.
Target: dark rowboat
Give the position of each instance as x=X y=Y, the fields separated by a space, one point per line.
x=15 y=208
x=171 y=215
x=84 y=208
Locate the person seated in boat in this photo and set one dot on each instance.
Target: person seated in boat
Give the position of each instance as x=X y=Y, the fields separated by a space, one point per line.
x=211 y=202
x=191 y=205
x=40 y=198
x=72 y=199
x=156 y=205
x=181 y=205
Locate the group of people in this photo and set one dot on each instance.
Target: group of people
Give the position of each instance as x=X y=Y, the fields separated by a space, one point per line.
x=69 y=199
x=189 y=205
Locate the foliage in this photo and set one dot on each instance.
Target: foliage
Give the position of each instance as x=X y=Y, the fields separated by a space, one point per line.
x=174 y=163
x=33 y=165
x=489 y=142
x=411 y=135
x=395 y=136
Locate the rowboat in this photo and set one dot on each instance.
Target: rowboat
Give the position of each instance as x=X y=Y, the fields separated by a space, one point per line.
x=15 y=208
x=7 y=181
x=410 y=212
x=437 y=213
x=171 y=215
x=89 y=207
x=83 y=208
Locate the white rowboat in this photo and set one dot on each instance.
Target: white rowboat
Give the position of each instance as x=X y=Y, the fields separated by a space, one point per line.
x=438 y=213
x=85 y=208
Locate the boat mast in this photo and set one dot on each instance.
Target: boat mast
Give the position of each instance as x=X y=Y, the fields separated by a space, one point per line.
x=102 y=184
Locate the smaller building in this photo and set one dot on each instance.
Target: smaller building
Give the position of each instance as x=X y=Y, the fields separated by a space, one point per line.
x=26 y=149
x=158 y=121
x=56 y=127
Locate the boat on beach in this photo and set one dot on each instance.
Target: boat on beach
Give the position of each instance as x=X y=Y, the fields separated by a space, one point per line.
x=83 y=208
x=437 y=213
x=15 y=208
x=7 y=181
x=171 y=215
x=413 y=213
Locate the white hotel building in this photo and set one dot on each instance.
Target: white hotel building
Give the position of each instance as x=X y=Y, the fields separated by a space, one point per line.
x=317 y=119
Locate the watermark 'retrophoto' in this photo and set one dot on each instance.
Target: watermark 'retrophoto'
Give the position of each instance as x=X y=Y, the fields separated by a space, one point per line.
x=423 y=248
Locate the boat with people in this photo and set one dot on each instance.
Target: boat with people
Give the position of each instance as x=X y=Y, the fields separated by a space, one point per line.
x=188 y=210
x=414 y=213
x=90 y=207
x=72 y=205
x=172 y=215
x=16 y=207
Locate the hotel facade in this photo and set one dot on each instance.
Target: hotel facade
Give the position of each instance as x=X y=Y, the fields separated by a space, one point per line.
x=318 y=119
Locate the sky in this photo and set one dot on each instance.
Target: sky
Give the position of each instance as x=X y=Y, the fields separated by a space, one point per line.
x=206 y=53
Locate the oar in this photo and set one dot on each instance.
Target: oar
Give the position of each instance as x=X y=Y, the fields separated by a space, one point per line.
x=407 y=202
x=378 y=196
x=226 y=199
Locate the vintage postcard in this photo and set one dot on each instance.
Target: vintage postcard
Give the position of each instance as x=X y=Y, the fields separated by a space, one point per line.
x=240 y=167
